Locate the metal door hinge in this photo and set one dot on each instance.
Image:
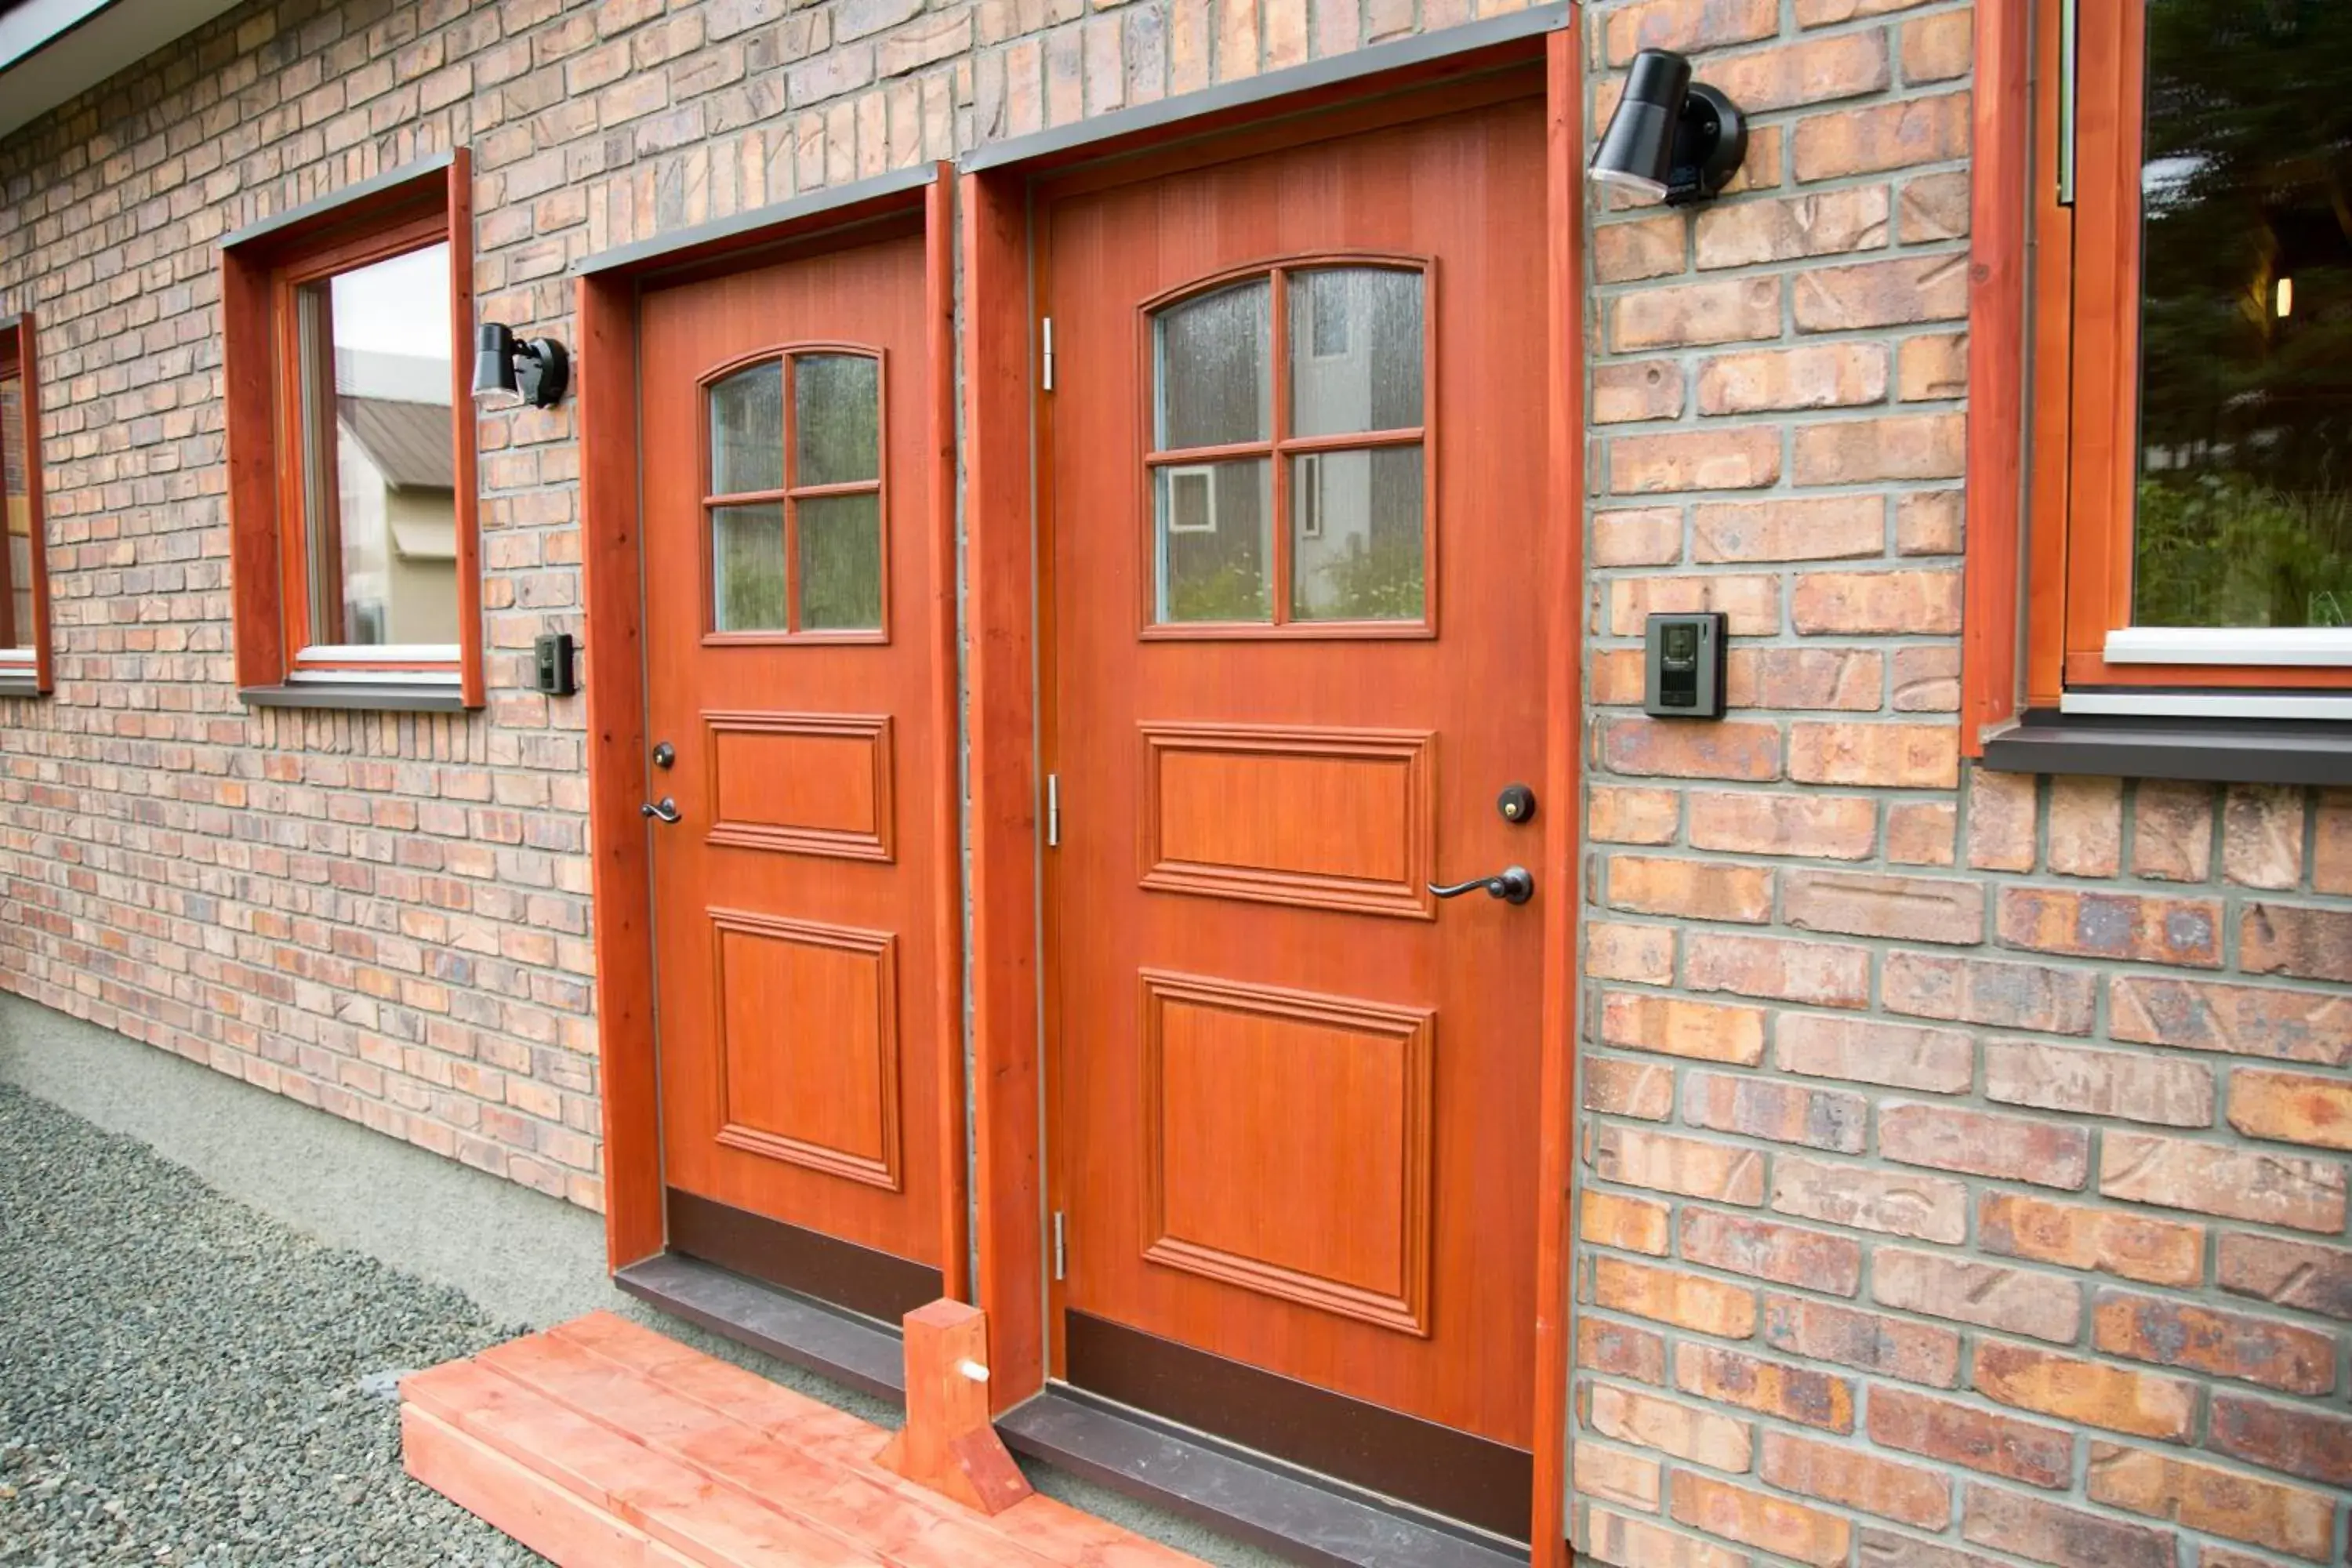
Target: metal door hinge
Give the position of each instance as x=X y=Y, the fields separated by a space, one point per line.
x=1061 y=1257
x=1053 y=811
x=1048 y=353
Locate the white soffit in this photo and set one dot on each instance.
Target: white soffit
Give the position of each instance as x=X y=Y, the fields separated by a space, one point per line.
x=51 y=50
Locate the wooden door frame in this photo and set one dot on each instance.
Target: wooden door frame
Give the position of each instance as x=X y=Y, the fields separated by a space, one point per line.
x=611 y=583
x=1003 y=565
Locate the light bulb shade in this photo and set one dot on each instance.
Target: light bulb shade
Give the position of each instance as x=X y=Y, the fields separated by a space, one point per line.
x=494 y=370
x=1637 y=150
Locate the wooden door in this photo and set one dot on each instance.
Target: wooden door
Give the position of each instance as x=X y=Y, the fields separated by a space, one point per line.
x=788 y=598
x=1296 y=462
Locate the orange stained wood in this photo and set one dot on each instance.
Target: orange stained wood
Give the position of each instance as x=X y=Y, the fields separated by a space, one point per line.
x=949 y=1444
x=599 y=1443
x=798 y=952
x=1295 y=1099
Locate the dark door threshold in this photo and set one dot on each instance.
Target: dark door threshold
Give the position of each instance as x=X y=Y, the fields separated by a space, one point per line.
x=858 y=1351
x=1249 y=1496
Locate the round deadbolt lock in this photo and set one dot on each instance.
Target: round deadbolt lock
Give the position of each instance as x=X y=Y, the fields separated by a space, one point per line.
x=665 y=754
x=1517 y=802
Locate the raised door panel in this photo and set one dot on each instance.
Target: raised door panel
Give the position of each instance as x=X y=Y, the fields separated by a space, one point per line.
x=801 y=784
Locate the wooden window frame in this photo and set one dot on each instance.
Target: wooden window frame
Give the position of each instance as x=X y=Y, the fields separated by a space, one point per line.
x=33 y=674
x=790 y=498
x=2054 y=394
x=261 y=271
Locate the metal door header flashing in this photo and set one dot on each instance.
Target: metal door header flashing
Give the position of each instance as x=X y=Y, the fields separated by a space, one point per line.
x=799 y=213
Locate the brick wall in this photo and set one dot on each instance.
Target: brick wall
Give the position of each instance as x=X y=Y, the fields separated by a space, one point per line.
x=388 y=916
x=1964 y=1153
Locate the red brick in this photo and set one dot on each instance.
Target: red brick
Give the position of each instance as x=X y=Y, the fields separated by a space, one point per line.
x=1645 y=954
x=2064 y=1537
x=2132 y=1085
x=1686 y=1300
x=1644 y=247
x=1620 y=1350
x=1828 y=222
x=1864 y=1050
x=2295 y=1440
x=2292 y=1108
x=1829 y=375
x=1682 y=27
x=2331 y=854
x=1643 y=389
x=2287 y=1273
x=1901 y=293
x=1715 y=460
x=1782 y=1112
x=1640 y=536
x=2197 y=1338
x=1692 y=315
x=1693 y=1167
x=2048 y=1154
x=1615 y=1476
x=1984 y=991
x=1928 y=679
x=2302 y=1026
x=1875 y=603
x=1929 y=522
x=1615 y=1087
x=2083 y=924
x=1751 y=606
x=1963 y=1435
x=1836 y=1474
x=1697 y=889
x=1822 y=13
x=1932 y=367
x=1868 y=451
x=1742 y=1243
x=2262 y=835
x=1615 y=814
x=1706 y=1437
x=1775 y=1525
x=1616 y=1219
x=1845 y=678
x=2089 y=1393
x=2290 y=939
x=1678 y=1027
x=1969 y=1290
x=1819 y=975
x=1899 y=1203
x=2001 y=821
x=1629 y=1544
x=1909 y=909
x=2214 y=1178
x=1886 y=136
x=1922 y=833
x=2207 y=1498
x=1677 y=749
x=1939 y=47
x=2086 y=826
x=2172 y=832
x=1819 y=1331
x=1839 y=827
x=1819 y=529
x=1892 y=756
x=2111 y=1241
x=1886 y=1549
x=1790 y=1393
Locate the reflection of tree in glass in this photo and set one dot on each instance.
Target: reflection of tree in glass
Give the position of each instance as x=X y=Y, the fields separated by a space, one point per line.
x=1382 y=582
x=2246 y=390
x=836 y=405
x=841 y=563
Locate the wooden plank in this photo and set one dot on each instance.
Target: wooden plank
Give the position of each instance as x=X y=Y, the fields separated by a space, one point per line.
x=249 y=415
x=948 y=1445
x=620 y=867
x=472 y=681
x=557 y=1524
x=1997 y=409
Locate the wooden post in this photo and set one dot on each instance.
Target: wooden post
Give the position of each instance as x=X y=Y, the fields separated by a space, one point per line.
x=948 y=1443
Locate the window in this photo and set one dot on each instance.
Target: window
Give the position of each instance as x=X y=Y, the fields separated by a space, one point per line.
x=23 y=563
x=350 y=433
x=2188 y=548
x=793 y=497
x=1288 y=490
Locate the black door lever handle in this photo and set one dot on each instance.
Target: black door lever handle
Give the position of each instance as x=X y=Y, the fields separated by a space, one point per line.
x=1512 y=884
x=662 y=810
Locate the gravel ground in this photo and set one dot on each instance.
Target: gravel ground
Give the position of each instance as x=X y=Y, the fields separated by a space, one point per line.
x=183 y=1381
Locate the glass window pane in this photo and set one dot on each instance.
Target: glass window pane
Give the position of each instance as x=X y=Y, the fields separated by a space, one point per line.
x=16 y=454
x=1215 y=378
x=747 y=431
x=1216 y=526
x=1356 y=552
x=837 y=410
x=379 y=462
x=2245 y=460
x=747 y=568
x=841 y=563
x=1355 y=350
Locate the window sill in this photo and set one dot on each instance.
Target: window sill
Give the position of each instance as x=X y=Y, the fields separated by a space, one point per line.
x=2211 y=751
x=359 y=694
x=19 y=681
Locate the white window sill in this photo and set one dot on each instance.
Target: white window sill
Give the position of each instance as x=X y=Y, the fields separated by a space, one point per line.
x=2318 y=646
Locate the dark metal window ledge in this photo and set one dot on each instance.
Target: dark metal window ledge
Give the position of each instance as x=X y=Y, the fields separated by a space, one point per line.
x=20 y=683
x=2211 y=751
x=357 y=694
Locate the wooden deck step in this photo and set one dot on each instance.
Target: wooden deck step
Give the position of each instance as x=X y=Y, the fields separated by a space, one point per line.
x=600 y=1442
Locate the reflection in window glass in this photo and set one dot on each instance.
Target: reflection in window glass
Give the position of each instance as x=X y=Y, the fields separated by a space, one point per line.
x=379 y=465
x=747 y=431
x=837 y=410
x=1216 y=540
x=2245 y=461
x=841 y=563
x=747 y=568
x=1355 y=350
x=16 y=488
x=1356 y=527
x=1215 y=378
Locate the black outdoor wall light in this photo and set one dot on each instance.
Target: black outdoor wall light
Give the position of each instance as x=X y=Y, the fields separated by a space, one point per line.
x=533 y=372
x=1671 y=137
